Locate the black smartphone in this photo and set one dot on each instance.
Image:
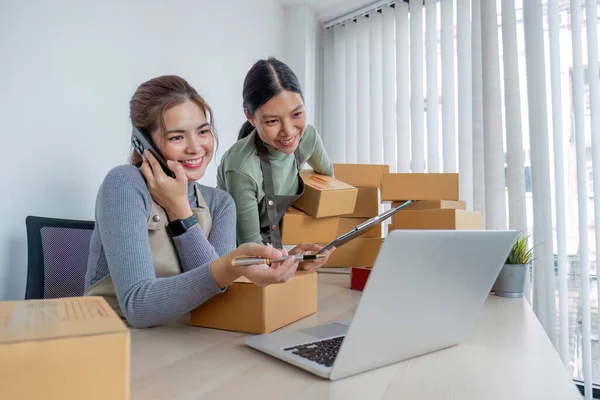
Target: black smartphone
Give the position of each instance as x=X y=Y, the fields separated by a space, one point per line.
x=141 y=142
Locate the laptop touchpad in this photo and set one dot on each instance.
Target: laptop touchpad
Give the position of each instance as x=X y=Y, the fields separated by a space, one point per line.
x=324 y=331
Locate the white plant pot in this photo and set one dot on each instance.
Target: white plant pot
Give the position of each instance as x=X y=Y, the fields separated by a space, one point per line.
x=511 y=281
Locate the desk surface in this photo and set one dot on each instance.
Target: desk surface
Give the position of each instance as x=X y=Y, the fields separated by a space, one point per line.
x=508 y=356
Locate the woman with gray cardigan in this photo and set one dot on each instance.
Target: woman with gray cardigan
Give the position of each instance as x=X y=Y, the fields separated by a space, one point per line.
x=163 y=245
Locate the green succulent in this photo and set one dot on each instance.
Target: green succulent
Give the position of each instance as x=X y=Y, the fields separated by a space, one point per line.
x=520 y=252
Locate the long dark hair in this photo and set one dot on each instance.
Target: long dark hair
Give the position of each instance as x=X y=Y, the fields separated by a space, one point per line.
x=154 y=97
x=266 y=79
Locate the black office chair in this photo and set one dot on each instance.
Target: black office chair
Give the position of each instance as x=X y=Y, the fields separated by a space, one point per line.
x=58 y=251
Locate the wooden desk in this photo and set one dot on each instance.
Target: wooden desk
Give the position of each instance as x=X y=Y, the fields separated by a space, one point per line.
x=508 y=356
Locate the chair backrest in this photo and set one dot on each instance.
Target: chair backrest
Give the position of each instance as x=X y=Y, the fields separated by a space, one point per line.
x=58 y=251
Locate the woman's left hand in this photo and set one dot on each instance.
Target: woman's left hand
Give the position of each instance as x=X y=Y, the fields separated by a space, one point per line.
x=311 y=248
x=171 y=194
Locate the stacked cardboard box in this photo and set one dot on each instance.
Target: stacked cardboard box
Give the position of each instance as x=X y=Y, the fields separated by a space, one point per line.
x=359 y=252
x=437 y=204
x=298 y=227
x=315 y=216
x=245 y=307
x=363 y=250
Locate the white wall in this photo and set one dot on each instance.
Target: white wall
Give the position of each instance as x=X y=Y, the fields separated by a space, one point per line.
x=301 y=31
x=67 y=73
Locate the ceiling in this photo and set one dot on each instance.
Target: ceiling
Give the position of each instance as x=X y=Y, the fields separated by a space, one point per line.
x=326 y=10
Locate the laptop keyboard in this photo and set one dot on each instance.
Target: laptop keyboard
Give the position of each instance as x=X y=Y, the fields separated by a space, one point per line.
x=322 y=352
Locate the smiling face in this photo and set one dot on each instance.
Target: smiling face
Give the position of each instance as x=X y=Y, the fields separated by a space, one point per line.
x=281 y=121
x=188 y=139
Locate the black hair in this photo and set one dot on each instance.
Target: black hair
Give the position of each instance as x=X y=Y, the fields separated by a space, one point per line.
x=266 y=79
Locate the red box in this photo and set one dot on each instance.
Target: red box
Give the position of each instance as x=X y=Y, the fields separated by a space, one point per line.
x=358 y=278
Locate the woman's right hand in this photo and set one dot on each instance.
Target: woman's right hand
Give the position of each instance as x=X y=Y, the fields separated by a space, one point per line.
x=170 y=193
x=264 y=275
x=261 y=274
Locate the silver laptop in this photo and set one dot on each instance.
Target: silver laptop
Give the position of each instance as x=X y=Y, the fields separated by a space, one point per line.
x=424 y=293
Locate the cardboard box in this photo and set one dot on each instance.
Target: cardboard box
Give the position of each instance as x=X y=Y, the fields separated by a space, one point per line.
x=245 y=307
x=325 y=196
x=367 y=203
x=437 y=219
x=417 y=186
x=359 y=175
x=359 y=252
x=433 y=205
x=69 y=348
x=346 y=224
x=298 y=228
x=358 y=278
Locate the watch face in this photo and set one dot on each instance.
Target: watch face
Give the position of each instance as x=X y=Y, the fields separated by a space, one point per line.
x=180 y=226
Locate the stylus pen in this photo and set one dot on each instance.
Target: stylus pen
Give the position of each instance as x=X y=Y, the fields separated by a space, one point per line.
x=244 y=261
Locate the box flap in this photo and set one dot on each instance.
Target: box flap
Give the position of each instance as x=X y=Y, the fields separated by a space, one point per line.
x=243 y=279
x=57 y=318
x=293 y=210
x=322 y=182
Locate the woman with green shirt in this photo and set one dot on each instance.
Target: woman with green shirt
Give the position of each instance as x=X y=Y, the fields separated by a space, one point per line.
x=261 y=170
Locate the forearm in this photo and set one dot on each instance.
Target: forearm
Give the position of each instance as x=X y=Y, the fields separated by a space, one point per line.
x=194 y=249
x=155 y=301
x=249 y=233
x=223 y=231
x=250 y=239
x=318 y=158
x=244 y=192
x=248 y=220
x=320 y=163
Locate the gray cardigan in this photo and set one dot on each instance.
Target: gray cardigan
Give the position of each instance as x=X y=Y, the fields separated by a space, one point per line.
x=120 y=247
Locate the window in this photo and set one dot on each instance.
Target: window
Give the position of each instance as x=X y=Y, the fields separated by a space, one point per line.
x=573 y=252
x=527 y=178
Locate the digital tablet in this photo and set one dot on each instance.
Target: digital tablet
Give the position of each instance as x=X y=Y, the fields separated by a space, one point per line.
x=358 y=230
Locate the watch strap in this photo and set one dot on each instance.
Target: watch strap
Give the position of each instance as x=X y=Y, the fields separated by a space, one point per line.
x=180 y=226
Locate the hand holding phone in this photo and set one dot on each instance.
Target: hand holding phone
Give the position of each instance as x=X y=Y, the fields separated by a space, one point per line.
x=171 y=194
x=140 y=142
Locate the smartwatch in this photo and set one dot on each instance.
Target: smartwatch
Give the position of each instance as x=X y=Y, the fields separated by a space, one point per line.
x=180 y=226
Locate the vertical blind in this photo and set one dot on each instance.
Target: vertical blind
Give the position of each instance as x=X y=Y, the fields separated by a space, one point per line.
x=559 y=175
x=578 y=104
x=437 y=86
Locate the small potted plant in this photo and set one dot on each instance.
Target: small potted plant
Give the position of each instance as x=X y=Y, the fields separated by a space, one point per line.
x=511 y=280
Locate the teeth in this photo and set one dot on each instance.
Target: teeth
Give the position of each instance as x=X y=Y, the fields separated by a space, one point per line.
x=193 y=162
x=287 y=142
